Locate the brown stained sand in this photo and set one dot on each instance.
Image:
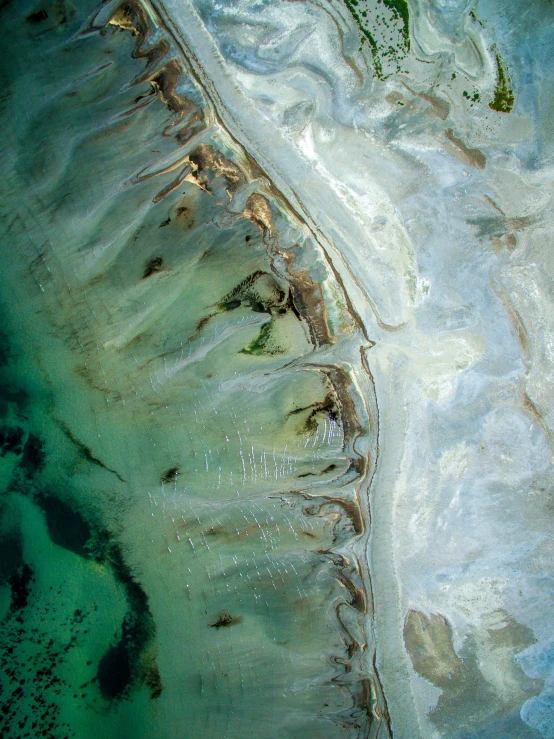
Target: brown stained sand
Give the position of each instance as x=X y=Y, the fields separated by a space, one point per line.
x=428 y=640
x=342 y=385
x=153 y=57
x=357 y=595
x=340 y=382
x=209 y=164
x=258 y=211
x=494 y=205
x=131 y=16
x=515 y=318
x=352 y=510
x=318 y=504
x=482 y=684
x=308 y=300
x=309 y=422
x=535 y=412
x=173 y=185
x=164 y=82
x=508 y=242
x=329 y=468
x=440 y=106
x=473 y=157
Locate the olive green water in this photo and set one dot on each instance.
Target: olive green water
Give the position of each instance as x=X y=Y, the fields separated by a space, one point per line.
x=185 y=452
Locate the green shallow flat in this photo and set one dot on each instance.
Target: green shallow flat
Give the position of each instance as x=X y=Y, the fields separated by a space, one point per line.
x=188 y=508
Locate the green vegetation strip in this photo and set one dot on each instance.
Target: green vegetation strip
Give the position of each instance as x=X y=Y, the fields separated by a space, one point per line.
x=503 y=100
x=399 y=8
x=373 y=44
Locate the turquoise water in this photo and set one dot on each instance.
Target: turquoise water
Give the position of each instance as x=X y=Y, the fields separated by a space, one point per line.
x=185 y=448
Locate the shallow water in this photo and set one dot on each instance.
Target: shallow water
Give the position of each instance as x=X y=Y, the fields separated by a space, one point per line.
x=275 y=370
x=186 y=443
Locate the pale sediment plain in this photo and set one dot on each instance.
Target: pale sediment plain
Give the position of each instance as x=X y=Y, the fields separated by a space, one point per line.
x=277 y=369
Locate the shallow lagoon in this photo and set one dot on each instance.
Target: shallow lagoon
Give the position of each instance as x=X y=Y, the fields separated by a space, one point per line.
x=184 y=451
x=264 y=284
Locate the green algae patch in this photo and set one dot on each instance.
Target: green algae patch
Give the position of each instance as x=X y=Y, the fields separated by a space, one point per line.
x=475 y=98
x=385 y=24
x=400 y=10
x=263 y=344
x=366 y=35
x=503 y=100
x=259 y=345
